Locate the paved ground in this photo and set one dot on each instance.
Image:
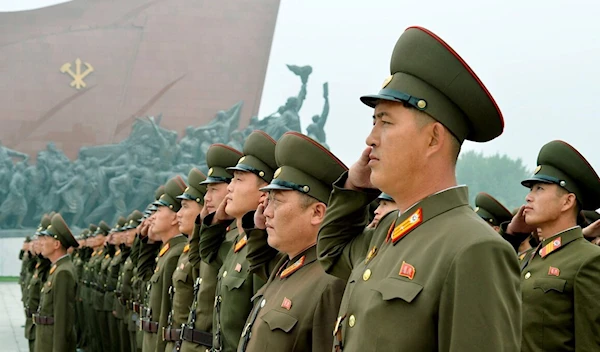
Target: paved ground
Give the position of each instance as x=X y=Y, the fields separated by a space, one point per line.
x=12 y=319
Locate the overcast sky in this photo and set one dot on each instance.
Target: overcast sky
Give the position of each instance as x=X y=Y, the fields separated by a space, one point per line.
x=539 y=59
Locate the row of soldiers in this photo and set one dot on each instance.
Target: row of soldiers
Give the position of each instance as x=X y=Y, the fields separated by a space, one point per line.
x=274 y=249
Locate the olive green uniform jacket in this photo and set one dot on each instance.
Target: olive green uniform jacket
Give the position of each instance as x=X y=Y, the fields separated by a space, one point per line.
x=159 y=301
x=58 y=301
x=561 y=294
x=235 y=284
x=296 y=309
x=442 y=280
x=33 y=289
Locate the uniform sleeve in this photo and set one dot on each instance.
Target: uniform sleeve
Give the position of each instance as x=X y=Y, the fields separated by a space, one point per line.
x=64 y=311
x=325 y=316
x=342 y=239
x=480 y=303
x=146 y=261
x=211 y=238
x=194 y=253
x=587 y=306
x=165 y=304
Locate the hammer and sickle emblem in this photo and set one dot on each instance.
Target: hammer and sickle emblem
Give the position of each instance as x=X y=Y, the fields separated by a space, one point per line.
x=77 y=76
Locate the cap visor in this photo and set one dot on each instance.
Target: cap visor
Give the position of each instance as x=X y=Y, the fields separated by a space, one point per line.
x=236 y=168
x=530 y=181
x=185 y=196
x=211 y=180
x=271 y=187
x=371 y=100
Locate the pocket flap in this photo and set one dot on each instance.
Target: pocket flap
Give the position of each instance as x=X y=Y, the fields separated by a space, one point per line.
x=180 y=275
x=548 y=284
x=233 y=282
x=392 y=288
x=279 y=320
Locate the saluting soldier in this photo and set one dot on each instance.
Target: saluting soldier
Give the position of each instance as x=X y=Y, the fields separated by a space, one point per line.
x=110 y=269
x=297 y=307
x=591 y=230
x=491 y=210
x=197 y=331
x=77 y=257
x=385 y=206
x=100 y=328
x=34 y=285
x=182 y=286
x=55 y=318
x=164 y=226
x=560 y=278
x=432 y=276
x=235 y=284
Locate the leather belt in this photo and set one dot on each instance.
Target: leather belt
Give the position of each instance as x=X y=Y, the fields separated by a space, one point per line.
x=29 y=312
x=150 y=326
x=40 y=320
x=197 y=336
x=171 y=334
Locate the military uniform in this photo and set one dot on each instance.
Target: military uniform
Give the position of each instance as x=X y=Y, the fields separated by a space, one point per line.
x=235 y=284
x=55 y=318
x=436 y=275
x=297 y=307
x=197 y=331
x=182 y=286
x=159 y=303
x=561 y=278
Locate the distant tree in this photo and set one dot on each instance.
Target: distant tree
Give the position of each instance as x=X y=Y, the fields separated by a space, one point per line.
x=498 y=175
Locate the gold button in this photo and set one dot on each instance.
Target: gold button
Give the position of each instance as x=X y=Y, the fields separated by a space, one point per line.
x=367 y=274
x=225 y=273
x=262 y=304
x=528 y=275
x=351 y=321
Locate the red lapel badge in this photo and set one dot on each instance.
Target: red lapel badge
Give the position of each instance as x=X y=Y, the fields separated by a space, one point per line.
x=407 y=270
x=552 y=271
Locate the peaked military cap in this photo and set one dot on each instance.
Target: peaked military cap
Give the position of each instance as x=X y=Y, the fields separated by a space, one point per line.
x=93 y=228
x=305 y=166
x=103 y=228
x=173 y=188
x=385 y=196
x=429 y=75
x=259 y=156
x=27 y=239
x=159 y=192
x=491 y=210
x=134 y=219
x=44 y=222
x=121 y=221
x=84 y=234
x=59 y=230
x=219 y=157
x=196 y=189
x=561 y=164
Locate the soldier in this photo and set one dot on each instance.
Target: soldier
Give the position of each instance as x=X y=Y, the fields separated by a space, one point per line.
x=110 y=270
x=164 y=226
x=235 y=285
x=197 y=332
x=433 y=271
x=34 y=286
x=182 y=286
x=559 y=278
x=98 y=318
x=55 y=318
x=491 y=210
x=78 y=259
x=297 y=307
x=385 y=206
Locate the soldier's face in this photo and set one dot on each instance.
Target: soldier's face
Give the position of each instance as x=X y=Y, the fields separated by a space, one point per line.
x=290 y=226
x=398 y=148
x=215 y=193
x=545 y=204
x=49 y=245
x=164 y=220
x=243 y=194
x=384 y=207
x=186 y=216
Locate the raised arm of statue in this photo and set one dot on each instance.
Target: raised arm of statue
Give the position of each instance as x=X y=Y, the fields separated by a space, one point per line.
x=325 y=112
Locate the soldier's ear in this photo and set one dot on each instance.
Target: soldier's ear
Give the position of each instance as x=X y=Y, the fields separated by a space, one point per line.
x=318 y=215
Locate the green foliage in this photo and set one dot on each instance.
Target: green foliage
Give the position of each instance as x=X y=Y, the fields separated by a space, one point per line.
x=497 y=175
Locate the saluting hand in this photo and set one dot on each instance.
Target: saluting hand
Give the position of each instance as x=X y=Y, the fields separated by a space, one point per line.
x=203 y=212
x=220 y=214
x=260 y=221
x=518 y=224
x=592 y=230
x=359 y=174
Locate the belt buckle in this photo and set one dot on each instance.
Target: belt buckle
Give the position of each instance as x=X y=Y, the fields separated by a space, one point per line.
x=163 y=334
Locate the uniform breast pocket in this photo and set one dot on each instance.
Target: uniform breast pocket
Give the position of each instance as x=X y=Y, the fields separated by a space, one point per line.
x=46 y=299
x=233 y=282
x=180 y=275
x=277 y=320
x=392 y=288
x=550 y=285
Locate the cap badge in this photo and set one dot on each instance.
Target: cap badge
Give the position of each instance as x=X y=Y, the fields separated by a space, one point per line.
x=186 y=189
x=241 y=160
x=210 y=171
x=277 y=172
x=386 y=81
x=476 y=209
x=537 y=169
